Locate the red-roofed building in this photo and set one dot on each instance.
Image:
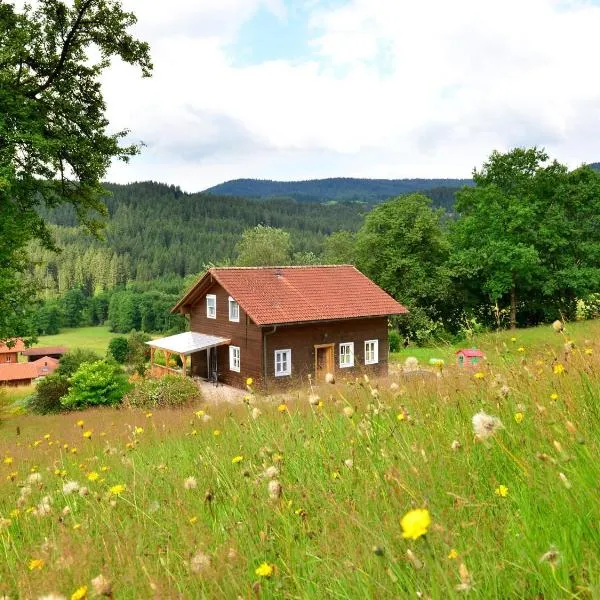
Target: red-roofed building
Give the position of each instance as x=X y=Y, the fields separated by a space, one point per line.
x=45 y=365
x=38 y=352
x=275 y=324
x=469 y=357
x=14 y=374
x=9 y=353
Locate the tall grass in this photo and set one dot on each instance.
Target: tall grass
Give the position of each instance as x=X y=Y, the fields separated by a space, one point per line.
x=349 y=467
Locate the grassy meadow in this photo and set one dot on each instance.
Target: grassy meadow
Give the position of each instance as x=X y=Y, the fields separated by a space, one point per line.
x=94 y=338
x=304 y=497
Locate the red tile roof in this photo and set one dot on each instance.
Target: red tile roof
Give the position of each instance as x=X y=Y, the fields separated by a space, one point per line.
x=18 y=371
x=18 y=347
x=45 y=365
x=280 y=295
x=470 y=352
x=45 y=351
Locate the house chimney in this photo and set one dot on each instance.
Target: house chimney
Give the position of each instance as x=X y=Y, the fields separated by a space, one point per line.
x=278 y=273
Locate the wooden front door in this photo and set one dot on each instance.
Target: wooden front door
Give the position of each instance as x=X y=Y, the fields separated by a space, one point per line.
x=323 y=361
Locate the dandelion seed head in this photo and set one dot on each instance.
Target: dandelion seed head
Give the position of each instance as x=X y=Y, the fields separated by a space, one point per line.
x=190 y=483
x=485 y=425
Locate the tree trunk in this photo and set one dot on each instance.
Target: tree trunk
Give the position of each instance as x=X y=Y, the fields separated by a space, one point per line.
x=513 y=304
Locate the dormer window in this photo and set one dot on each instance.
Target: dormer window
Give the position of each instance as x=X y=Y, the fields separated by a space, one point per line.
x=211 y=306
x=234 y=310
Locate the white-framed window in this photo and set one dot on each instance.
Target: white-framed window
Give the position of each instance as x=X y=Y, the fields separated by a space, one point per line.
x=211 y=306
x=234 y=310
x=347 y=354
x=283 y=362
x=371 y=352
x=234 y=358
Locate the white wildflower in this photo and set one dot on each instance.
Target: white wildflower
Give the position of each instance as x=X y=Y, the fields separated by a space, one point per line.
x=349 y=463
x=102 y=586
x=314 y=400
x=83 y=491
x=485 y=425
x=275 y=489
x=70 y=487
x=329 y=378
x=199 y=562
x=557 y=326
x=456 y=445
x=35 y=478
x=190 y=483
x=271 y=472
x=348 y=411
x=256 y=412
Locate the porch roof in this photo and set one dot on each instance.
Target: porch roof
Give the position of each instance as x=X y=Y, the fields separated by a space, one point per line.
x=188 y=342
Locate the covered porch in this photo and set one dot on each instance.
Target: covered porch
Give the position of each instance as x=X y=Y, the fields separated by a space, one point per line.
x=184 y=345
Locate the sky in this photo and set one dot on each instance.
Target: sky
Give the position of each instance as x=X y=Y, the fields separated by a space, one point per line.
x=304 y=89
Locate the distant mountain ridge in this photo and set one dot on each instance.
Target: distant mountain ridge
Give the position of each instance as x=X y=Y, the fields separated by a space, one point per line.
x=338 y=189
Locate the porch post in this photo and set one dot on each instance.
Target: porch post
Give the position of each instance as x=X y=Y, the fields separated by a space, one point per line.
x=183 y=361
x=167 y=356
x=152 y=348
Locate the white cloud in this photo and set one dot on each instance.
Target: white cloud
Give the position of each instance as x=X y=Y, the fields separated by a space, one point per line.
x=394 y=89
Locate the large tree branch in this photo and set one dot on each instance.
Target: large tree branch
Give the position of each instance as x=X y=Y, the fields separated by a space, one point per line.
x=65 y=50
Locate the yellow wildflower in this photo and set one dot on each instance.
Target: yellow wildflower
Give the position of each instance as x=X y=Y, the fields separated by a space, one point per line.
x=104 y=468
x=554 y=396
x=513 y=339
x=8 y=460
x=117 y=490
x=148 y=415
x=36 y=563
x=249 y=381
x=73 y=450
x=199 y=413
x=14 y=513
x=588 y=351
x=501 y=491
x=452 y=554
x=80 y=423
x=479 y=375
x=264 y=570
x=47 y=436
x=400 y=416
x=519 y=417
x=80 y=593
x=93 y=476
x=216 y=432
x=192 y=520
x=520 y=349
x=282 y=408
x=335 y=475
x=36 y=443
x=139 y=430
x=77 y=526
x=237 y=459
x=415 y=523
x=87 y=434
x=558 y=369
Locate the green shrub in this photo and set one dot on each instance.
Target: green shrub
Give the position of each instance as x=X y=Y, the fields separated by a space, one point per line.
x=70 y=362
x=118 y=348
x=138 y=351
x=99 y=383
x=394 y=340
x=167 y=391
x=48 y=394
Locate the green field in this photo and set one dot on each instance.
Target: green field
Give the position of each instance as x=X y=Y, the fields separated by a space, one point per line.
x=500 y=346
x=306 y=499
x=95 y=338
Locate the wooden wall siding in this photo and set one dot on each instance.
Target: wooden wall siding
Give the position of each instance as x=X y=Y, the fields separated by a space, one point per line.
x=9 y=357
x=301 y=339
x=244 y=334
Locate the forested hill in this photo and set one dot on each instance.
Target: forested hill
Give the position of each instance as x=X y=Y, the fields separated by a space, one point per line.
x=156 y=230
x=340 y=189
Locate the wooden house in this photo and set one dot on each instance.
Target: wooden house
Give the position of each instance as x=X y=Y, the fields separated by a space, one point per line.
x=16 y=374
x=34 y=354
x=10 y=354
x=279 y=324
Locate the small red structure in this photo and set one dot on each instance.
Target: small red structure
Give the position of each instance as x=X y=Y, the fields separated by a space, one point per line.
x=469 y=357
x=34 y=354
x=45 y=365
x=11 y=354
